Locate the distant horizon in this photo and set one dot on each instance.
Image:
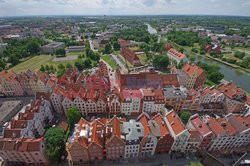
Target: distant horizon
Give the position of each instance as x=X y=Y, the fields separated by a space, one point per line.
x=12 y=8
x=122 y=15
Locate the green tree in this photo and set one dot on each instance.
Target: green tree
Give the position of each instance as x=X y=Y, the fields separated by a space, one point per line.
x=79 y=64
x=185 y=115
x=13 y=60
x=244 y=63
x=61 y=70
x=108 y=49
x=47 y=67
x=61 y=66
x=116 y=46
x=42 y=69
x=68 y=65
x=73 y=116
x=161 y=61
x=239 y=54
x=61 y=52
x=180 y=65
x=215 y=77
x=33 y=48
x=87 y=64
x=55 y=146
x=51 y=69
x=2 y=64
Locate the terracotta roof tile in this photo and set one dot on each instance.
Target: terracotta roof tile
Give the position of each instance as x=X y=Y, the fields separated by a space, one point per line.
x=216 y=127
x=163 y=127
x=191 y=69
x=231 y=90
x=175 y=122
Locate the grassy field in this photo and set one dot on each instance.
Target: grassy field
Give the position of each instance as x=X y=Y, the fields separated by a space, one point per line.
x=35 y=63
x=75 y=53
x=143 y=58
x=110 y=61
x=32 y=63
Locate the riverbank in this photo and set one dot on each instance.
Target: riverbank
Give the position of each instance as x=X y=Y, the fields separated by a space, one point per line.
x=233 y=74
x=228 y=64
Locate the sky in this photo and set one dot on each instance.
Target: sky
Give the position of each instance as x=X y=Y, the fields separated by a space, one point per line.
x=124 y=7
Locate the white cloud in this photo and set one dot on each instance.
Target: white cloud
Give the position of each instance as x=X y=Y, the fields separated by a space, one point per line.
x=119 y=7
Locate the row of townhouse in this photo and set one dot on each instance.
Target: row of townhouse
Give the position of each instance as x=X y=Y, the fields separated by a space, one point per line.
x=22 y=141
x=116 y=138
x=27 y=83
x=87 y=101
x=152 y=101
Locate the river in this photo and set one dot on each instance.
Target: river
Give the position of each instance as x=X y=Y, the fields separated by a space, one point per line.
x=238 y=77
x=151 y=30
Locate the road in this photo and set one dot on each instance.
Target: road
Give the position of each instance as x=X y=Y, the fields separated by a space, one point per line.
x=92 y=45
x=25 y=100
x=120 y=63
x=113 y=80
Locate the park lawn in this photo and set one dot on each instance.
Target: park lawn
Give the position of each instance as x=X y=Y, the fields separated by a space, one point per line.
x=231 y=56
x=143 y=58
x=36 y=62
x=110 y=61
x=134 y=48
x=242 y=49
x=75 y=53
x=32 y=63
x=55 y=64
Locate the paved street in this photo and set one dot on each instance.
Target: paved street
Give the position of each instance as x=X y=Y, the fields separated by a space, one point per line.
x=25 y=100
x=120 y=63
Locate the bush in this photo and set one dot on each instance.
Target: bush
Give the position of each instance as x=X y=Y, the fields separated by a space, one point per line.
x=239 y=54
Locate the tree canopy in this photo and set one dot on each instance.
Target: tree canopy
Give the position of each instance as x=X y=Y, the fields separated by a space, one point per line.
x=161 y=61
x=55 y=146
x=185 y=115
x=73 y=116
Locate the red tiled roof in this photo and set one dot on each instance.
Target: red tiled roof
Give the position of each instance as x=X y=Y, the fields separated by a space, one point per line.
x=18 y=124
x=200 y=126
x=215 y=127
x=210 y=91
x=159 y=94
x=230 y=90
x=9 y=75
x=191 y=69
x=144 y=121
x=125 y=94
x=150 y=79
x=116 y=125
x=148 y=93
x=97 y=130
x=82 y=125
x=194 y=135
x=175 y=122
x=124 y=42
x=227 y=126
x=176 y=54
x=163 y=127
x=12 y=133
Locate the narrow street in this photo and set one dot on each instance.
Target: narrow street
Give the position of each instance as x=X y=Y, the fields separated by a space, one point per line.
x=120 y=63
